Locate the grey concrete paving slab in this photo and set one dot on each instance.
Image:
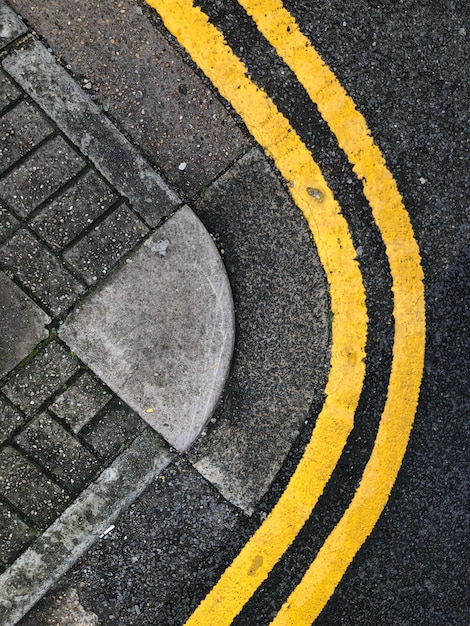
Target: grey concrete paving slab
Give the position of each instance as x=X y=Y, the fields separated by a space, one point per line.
x=282 y=308
x=11 y=25
x=22 y=325
x=34 y=128
x=7 y=222
x=154 y=96
x=85 y=124
x=40 y=377
x=160 y=332
x=63 y=430
x=81 y=401
x=9 y=92
x=100 y=249
x=42 y=173
x=97 y=507
x=53 y=448
x=63 y=219
x=40 y=272
x=10 y=419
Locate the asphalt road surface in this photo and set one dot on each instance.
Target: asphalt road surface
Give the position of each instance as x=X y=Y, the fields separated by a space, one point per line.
x=406 y=67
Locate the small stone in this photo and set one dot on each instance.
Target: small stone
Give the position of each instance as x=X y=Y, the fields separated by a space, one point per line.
x=182 y=166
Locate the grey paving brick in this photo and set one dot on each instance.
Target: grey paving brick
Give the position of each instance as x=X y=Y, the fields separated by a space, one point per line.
x=113 y=431
x=22 y=325
x=9 y=92
x=21 y=128
x=96 y=253
x=41 y=377
x=29 y=490
x=82 y=400
x=47 y=280
x=10 y=420
x=7 y=222
x=59 y=452
x=42 y=173
x=12 y=26
x=15 y=535
x=75 y=209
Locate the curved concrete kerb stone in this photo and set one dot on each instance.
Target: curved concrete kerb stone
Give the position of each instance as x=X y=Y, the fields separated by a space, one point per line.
x=160 y=332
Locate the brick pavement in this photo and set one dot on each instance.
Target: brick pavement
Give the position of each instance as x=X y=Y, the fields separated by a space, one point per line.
x=63 y=228
x=77 y=203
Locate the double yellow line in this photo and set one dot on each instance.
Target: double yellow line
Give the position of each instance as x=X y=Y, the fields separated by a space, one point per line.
x=310 y=192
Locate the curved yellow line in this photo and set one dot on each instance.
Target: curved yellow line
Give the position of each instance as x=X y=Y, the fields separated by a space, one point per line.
x=353 y=136
x=310 y=192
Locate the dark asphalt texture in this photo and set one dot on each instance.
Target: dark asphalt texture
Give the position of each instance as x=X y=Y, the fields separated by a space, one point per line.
x=406 y=65
x=412 y=87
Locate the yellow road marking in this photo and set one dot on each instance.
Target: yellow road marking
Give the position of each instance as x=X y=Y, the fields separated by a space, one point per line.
x=353 y=136
x=310 y=192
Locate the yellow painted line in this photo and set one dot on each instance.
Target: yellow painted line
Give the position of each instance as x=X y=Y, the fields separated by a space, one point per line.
x=309 y=190
x=353 y=136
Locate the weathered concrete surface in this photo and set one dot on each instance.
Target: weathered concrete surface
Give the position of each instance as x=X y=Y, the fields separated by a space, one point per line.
x=22 y=325
x=97 y=507
x=82 y=121
x=144 y=84
x=282 y=335
x=11 y=26
x=160 y=332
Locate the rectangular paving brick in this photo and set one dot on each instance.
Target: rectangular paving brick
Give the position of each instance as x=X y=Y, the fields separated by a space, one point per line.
x=41 y=377
x=42 y=173
x=113 y=431
x=10 y=420
x=53 y=448
x=8 y=223
x=81 y=401
x=15 y=535
x=39 y=271
x=29 y=490
x=9 y=92
x=75 y=209
x=21 y=128
x=96 y=253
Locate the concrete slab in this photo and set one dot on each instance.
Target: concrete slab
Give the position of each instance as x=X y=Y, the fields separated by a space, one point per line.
x=160 y=331
x=11 y=26
x=22 y=325
x=282 y=335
